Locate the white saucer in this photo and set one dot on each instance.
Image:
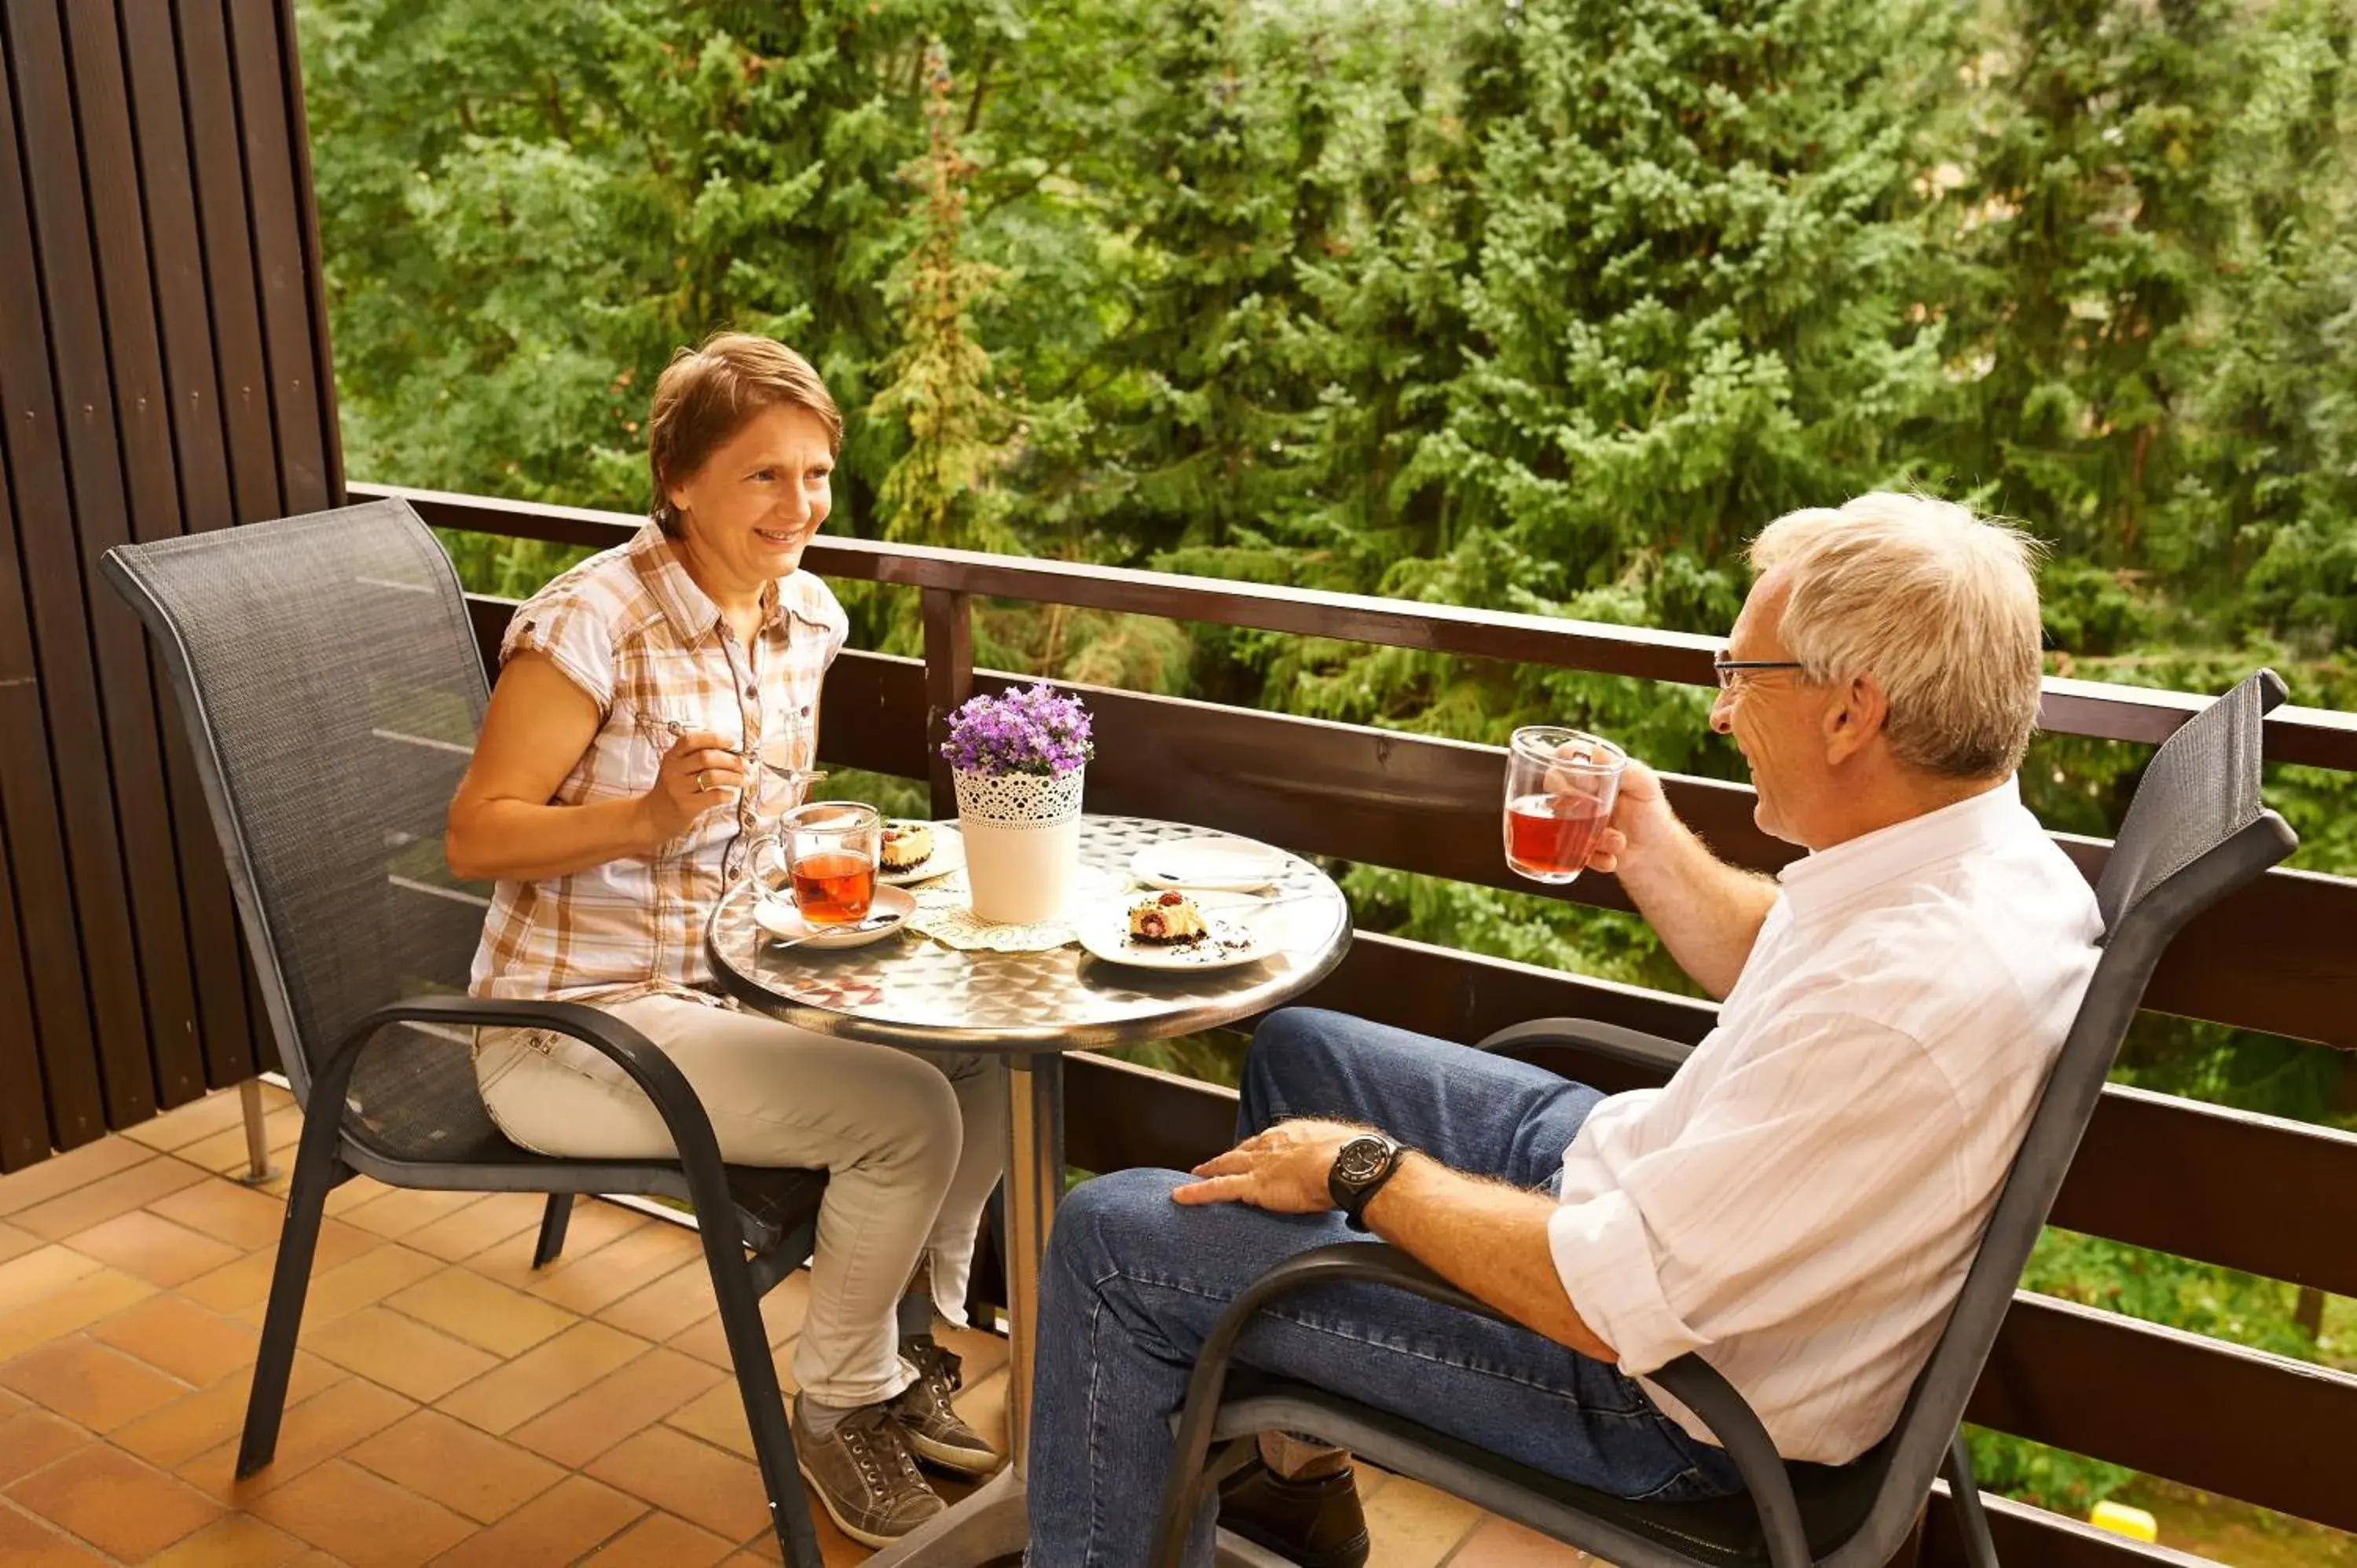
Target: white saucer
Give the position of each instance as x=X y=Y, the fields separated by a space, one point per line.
x=1103 y=930
x=949 y=854
x=776 y=914
x=1232 y=865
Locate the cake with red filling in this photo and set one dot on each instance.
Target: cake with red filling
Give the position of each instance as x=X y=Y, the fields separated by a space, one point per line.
x=907 y=845
x=1167 y=921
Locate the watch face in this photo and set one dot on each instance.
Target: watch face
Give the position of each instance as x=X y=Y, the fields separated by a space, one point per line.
x=1361 y=1159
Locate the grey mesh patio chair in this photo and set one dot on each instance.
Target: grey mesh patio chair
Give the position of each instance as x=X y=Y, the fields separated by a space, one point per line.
x=330 y=684
x=2195 y=832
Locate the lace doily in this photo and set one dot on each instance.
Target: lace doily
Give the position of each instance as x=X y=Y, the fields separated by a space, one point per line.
x=1019 y=800
x=945 y=913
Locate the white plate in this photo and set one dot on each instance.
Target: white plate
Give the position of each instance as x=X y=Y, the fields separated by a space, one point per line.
x=949 y=854
x=1103 y=930
x=776 y=914
x=1231 y=864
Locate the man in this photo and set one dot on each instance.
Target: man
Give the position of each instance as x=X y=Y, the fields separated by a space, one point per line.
x=1799 y=1204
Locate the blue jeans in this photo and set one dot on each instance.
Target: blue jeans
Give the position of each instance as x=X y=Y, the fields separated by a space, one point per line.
x=1133 y=1283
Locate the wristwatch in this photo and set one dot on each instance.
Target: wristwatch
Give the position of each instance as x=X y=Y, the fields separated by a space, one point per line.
x=1364 y=1163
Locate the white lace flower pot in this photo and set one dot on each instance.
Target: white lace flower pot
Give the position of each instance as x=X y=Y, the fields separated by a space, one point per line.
x=1022 y=838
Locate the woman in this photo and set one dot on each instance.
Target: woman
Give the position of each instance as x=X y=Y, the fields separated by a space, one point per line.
x=608 y=799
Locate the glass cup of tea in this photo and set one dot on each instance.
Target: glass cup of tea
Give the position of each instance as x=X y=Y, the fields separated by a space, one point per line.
x=1560 y=786
x=828 y=850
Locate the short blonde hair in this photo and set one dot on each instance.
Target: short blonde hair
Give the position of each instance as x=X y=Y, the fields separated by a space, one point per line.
x=1938 y=605
x=708 y=393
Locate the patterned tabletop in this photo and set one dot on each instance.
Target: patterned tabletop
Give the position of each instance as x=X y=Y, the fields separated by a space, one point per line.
x=908 y=990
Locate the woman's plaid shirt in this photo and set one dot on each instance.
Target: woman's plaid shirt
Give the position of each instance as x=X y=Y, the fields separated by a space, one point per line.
x=631 y=628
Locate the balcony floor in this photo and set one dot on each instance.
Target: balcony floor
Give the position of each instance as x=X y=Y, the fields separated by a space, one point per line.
x=448 y=1405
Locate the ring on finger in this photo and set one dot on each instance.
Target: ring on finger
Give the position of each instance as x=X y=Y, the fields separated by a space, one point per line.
x=704 y=781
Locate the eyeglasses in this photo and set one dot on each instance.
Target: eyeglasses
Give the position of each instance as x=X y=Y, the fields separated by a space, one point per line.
x=1729 y=668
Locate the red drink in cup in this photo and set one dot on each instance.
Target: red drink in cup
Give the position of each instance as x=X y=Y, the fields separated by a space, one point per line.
x=833 y=888
x=828 y=851
x=1560 y=786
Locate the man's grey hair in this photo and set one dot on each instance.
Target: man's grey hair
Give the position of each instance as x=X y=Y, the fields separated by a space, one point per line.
x=1939 y=605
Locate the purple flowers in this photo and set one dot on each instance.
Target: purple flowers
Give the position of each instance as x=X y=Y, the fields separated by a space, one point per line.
x=1031 y=730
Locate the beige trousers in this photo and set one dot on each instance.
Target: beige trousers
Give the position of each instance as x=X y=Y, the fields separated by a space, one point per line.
x=911 y=1147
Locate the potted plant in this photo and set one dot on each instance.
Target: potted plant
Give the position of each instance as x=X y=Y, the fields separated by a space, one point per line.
x=1019 y=760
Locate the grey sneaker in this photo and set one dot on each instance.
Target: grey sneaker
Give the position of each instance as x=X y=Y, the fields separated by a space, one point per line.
x=928 y=1420
x=863 y=1475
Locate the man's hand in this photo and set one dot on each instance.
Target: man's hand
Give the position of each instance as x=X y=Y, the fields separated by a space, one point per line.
x=1641 y=812
x=1283 y=1170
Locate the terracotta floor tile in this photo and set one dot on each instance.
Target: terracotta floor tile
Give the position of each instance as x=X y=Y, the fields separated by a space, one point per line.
x=400 y=1352
x=611 y=1273
x=115 y=1502
x=69 y=1172
x=16 y=1243
x=674 y=1304
x=155 y=1249
x=32 y=1276
x=233 y=1540
x=717 y=1416
x=184 y=1124
x=342 y=1287
x=175 y=1335
x=32 y=1438
x=215 y=1414
x=311 y=1434
x=614 y=1407
x=782 y=1311
x=491 y=1317
x=69 y=1307
x=29 y=1543
x=360 y=1189
x=504 y=1218
x=703 y=1485
x=456 y=1466
x=576 y=1516
x=983 y=1406
x=1413 y=1525
x=362 y=1519
x=512 y=1393
x=980 y=1354
x=239 y=1215
x=90 y=1384
x=659 y=1540
x=594 y=1226
x=226 y=1152
x=109 y=1196
x=1500 y=1544
x=400 y=1210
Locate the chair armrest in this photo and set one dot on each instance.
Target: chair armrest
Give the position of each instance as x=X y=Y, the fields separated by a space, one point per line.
x=1699 y=1386
x=1696 y=1383
x=675 y=1099
x=1633 y=1046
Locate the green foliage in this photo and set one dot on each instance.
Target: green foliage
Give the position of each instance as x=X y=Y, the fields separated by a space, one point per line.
x=1543 y=306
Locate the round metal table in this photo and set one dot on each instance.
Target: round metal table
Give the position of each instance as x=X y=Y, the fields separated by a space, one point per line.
x=916 y=993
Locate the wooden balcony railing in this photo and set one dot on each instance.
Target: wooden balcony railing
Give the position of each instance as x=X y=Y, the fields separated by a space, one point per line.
x=2251 y=1192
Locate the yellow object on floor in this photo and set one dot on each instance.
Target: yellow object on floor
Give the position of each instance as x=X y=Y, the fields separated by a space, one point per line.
x=2122 y=1519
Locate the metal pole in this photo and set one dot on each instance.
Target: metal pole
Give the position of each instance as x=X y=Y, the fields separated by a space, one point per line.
x=1034 y=1180
x=257 y=1140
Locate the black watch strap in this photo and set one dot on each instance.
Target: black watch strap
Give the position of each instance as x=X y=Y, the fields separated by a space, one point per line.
x=1360 y=1170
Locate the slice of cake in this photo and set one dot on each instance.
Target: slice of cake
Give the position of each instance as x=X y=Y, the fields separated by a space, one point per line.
x=1167 y=921
x=907 y=845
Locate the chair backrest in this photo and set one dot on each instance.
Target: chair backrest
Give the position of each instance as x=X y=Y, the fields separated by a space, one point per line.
x=332 y=690
x=2195 y=831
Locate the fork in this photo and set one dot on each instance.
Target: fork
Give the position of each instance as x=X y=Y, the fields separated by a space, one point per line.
x=789 y=774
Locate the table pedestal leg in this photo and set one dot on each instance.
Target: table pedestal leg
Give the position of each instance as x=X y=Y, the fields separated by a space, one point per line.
x=1034 y=1180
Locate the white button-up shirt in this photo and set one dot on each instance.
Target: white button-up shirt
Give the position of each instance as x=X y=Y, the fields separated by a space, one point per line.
x=1801 y=1202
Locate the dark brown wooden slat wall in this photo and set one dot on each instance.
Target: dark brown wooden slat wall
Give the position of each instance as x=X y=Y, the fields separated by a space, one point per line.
x=164 y=371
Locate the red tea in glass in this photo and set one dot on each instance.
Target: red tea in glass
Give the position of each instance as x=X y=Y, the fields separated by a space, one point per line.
x=1560 y=786
x=834 y=888
x=1548 y=836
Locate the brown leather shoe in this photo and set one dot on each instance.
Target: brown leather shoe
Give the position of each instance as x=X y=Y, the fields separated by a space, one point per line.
x=865 y=1476
x=1318 y=1524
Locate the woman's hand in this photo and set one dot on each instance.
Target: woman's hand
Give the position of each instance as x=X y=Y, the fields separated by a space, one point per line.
x=698 y=773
